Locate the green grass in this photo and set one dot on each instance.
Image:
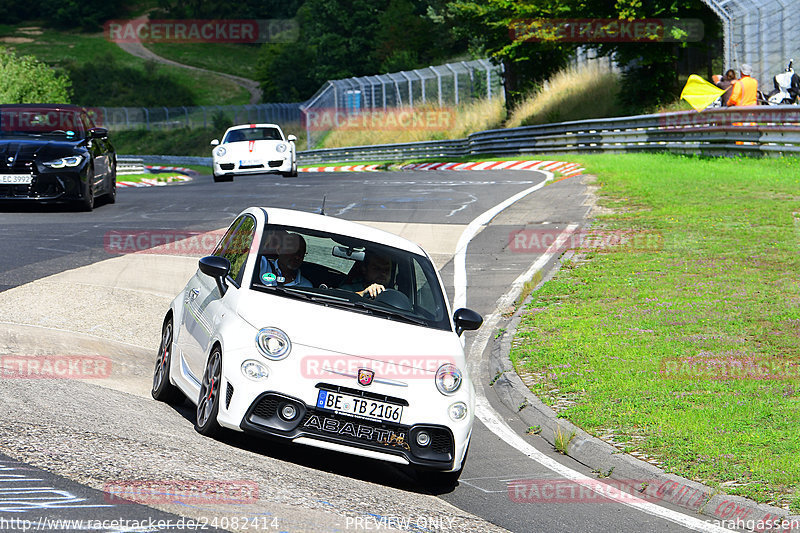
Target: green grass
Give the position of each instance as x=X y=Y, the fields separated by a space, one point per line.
x=237 y=59
x=714 y=278
x=139 y=177
x=106 y=75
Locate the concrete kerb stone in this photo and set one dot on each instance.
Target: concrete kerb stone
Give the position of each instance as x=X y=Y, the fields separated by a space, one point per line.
x=600 y=456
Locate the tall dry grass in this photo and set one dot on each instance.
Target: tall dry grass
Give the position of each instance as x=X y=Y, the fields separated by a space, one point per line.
x=455 y=123
x=578 y=92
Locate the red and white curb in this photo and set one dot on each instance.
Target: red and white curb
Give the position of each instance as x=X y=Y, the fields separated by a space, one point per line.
x=562 y=167
x=154 y=182
x=345 y=168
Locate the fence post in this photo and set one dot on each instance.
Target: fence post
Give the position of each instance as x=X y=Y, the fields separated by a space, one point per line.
x=205 y=118
x=146 y=114
x=186 y=112
x=410 y=94
x=455 y=80
x=438 y=83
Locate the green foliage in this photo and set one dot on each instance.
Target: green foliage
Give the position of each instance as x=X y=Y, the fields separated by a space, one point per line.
x=345 y=38
x=25 y=80
x=86 y=15
x=106 y=82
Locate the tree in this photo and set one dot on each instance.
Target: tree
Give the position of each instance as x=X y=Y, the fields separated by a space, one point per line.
x=26 y=80
x=488 y=24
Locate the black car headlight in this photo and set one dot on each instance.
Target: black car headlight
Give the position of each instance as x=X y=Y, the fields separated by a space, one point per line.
x=71 y=161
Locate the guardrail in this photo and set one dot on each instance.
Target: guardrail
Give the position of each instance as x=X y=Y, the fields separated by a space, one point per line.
x=763 y=130
x=127 y=165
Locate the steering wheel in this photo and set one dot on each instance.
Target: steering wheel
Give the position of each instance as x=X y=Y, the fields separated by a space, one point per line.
x=395 y=299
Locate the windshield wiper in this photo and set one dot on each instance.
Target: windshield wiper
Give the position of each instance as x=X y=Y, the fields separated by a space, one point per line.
x=389 y=313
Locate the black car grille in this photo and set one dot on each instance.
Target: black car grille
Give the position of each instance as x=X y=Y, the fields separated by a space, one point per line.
x=441 y=442
x=226 y=166
x=267 y=407
x=275 y=163
x=228 y=395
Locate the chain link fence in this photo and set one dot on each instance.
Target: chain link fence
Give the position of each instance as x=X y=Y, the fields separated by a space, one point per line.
x=762 y=33
x=218 y=117
x=438 y=86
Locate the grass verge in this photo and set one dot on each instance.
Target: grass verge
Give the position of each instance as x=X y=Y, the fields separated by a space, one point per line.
x=685 y=345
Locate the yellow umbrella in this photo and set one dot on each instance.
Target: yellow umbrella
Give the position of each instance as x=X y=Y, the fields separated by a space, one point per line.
x=699 y=93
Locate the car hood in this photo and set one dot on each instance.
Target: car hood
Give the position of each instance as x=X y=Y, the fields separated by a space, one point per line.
x=40 y=148
x=325 y=331
x=252 y=147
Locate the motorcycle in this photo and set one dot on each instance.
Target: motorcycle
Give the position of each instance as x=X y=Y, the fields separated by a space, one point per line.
x=787 y=88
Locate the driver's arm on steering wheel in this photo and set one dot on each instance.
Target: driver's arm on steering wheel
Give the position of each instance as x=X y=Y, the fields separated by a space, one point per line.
x=373 y=290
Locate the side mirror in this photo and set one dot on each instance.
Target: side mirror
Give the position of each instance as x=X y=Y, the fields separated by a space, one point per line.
x=98 y=133
x=466 y=319
x=215 y=142
x=217 y=268
x=291 y=138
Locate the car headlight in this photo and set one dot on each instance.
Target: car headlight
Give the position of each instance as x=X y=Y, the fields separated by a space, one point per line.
x=281 y=147
x=448 y=379
x=457 y=411
x=220 y=151
x=255 y=370
x=71 y=161
x=273 y=343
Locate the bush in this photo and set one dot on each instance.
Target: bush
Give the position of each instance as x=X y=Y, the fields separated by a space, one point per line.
x=25 y=80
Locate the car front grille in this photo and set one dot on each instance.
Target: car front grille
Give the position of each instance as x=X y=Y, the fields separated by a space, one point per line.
x=275 y=163
x=228 y=395
x=226 y=166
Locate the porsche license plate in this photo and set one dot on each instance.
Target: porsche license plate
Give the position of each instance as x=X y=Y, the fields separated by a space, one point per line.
x=359 y=407
x=16 y=179
x=249 y=162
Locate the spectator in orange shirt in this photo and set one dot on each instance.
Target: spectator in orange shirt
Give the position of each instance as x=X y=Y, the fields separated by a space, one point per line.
x=745 y=90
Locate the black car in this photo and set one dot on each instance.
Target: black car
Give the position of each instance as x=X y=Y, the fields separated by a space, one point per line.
x=55 y=153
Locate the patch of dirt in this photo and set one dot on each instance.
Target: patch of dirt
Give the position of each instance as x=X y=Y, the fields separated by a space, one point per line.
x=30 y=30
x=15 y=40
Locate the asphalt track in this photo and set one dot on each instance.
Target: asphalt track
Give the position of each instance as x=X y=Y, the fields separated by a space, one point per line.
x=91 y=433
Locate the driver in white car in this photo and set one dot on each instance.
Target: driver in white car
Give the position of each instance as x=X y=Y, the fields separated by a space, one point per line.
x=372 y=276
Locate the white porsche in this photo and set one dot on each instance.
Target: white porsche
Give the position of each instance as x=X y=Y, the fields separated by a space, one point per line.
x=254 y=149
x=327 y=333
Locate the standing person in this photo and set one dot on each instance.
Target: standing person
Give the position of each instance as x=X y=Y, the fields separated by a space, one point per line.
x=727 y=83
x=745 y=90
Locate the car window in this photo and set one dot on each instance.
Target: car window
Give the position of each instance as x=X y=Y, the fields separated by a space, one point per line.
x=235 y=246
x=338 y=267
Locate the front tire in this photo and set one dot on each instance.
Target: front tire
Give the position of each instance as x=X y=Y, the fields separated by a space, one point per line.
x=111 y=196
x=163 y=390
x=208 y=403
x=87 y=202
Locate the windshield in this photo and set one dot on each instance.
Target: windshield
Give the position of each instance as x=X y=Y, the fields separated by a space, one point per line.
x=253 y=134
x=337 y=271
x=41 y=121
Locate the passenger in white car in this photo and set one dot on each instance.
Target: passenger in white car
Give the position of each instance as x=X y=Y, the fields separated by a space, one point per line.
x=285 y=269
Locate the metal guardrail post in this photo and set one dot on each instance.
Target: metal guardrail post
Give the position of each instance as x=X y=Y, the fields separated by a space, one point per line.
x=146 y=114
x=410 y=93
x=438 y=84
x=455 y=80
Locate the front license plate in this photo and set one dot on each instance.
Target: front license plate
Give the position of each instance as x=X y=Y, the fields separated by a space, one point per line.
x=249 y=162
x=16 y=179
x=359 y=407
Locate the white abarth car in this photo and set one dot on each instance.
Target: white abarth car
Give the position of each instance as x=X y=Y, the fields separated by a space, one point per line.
x=254 y=149
x=327 y=333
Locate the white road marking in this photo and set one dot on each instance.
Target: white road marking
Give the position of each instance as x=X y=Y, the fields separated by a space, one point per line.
x=491 y=419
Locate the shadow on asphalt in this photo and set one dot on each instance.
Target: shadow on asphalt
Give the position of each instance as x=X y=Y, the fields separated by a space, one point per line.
x=340 y=464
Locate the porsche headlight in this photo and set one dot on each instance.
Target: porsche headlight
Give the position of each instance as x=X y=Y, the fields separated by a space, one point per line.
x=273 y=343
x=281 y=147
x=220 y=151
x=71 y=161
x=448 y=379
